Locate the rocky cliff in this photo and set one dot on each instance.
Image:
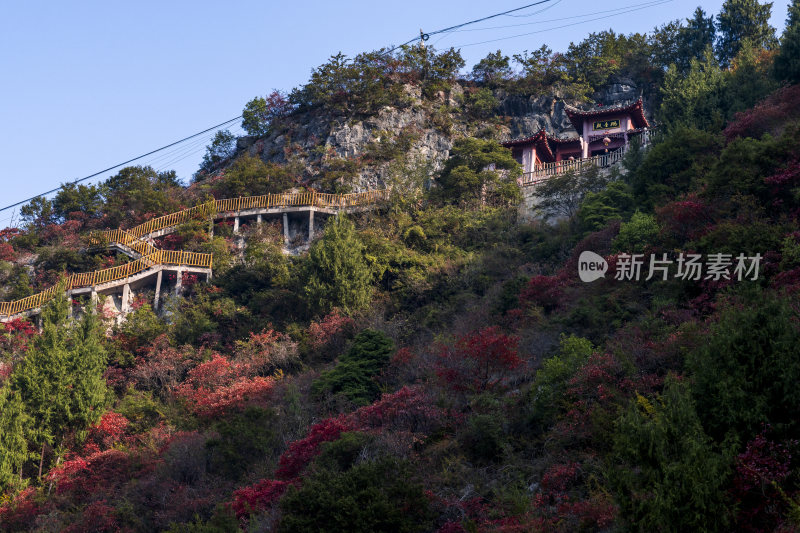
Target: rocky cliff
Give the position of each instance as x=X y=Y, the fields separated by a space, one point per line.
x=363 y=150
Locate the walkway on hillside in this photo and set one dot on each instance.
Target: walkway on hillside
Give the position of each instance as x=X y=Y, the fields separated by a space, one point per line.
x=150 y=262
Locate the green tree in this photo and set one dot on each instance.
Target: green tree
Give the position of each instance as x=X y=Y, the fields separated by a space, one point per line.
x=637 y=234
x=60 y=381
x=38 y=213
x=748 y=81
x=222 y=147
x=14 y=430
x=674 y=165
x=434 y=71
x=370 y=497
x=695 y=98
x=353 y=376
x=747 y=370
x=136 y=191
x=84 y=199
x=550 y=384
x=693 y=39
x=261 y=113
x=741 y=20
x=544 y=72
x=337 y=272
x=666 y=473
x=598 y=208
x=787 y=62
x=492 y=69
x=471 y=174
x=562 y=195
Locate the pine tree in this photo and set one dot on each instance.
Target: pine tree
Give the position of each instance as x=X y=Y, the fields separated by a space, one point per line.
x=694 y=38
x=60 y=381
x=14 y=427
x=787 y=62
x=694 y=98
x=743 y=19
x=338 y=274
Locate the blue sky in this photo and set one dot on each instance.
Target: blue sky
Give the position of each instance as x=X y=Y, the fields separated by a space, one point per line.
x=92 y=84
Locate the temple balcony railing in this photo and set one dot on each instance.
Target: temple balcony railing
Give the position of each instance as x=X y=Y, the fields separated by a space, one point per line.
x=542 y=171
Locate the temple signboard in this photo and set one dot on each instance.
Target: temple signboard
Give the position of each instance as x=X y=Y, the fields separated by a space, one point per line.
x=605 y=124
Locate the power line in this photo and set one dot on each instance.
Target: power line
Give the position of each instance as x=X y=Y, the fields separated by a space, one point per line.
x=489 y=17
x=562 y=26
x=124 y=163
x=423 y=36
x=651 y=3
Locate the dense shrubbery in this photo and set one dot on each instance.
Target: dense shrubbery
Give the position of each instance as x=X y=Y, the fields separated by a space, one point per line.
x=644 y=404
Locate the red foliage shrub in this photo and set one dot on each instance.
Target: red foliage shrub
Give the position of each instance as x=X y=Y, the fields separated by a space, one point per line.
x=301 y=452
x=330 y=333
x=263 y=353
x=599 y=242
x=7 y=252
x=559 y=508
x=162 y=367
x=108 y=431
x=96 y=518
x=97 y=472
x=769 y=116
x=452 y=527
x=19 y=513
x=479 y=360
x=782 y=183
x=593 y=393
x=760 y=470
x=685 y=219
x=15 y=336
x=258 y=497
x=188 y=280
x=8 y=234
x=405 y=410
x=215 y=386
x=543 y=291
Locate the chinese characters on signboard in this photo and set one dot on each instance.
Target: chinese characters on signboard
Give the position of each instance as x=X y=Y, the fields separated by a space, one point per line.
x=605 y=124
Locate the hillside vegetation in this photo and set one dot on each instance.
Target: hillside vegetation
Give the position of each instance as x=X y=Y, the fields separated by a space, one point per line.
x=436 y=364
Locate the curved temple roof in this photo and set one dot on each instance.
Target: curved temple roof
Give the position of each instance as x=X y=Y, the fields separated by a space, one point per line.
x=635 y=110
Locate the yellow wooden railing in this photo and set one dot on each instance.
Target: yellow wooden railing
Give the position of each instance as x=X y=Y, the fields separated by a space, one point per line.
x=108 y=275
x=120 y=236
x=152 y=256
x=266 y=201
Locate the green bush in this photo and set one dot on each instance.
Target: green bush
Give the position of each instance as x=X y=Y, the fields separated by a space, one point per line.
x=747 y=371
x=337 y=272
x=466 y=179
x=353 y=376
x=551 y=380
x=483 y=438
x=615 y=202
x=370 y=497
x=344 y=452
x=666 y=473
x=638 y=234
x=243 y=439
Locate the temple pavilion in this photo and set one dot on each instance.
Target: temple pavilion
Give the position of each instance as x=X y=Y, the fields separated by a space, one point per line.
x=601 y=130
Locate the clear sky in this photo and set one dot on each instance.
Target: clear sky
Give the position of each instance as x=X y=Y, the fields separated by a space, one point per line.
x=86 y=85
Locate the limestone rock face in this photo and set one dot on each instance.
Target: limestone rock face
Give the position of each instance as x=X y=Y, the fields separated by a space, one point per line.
x=312 y=139
x=619 y=89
